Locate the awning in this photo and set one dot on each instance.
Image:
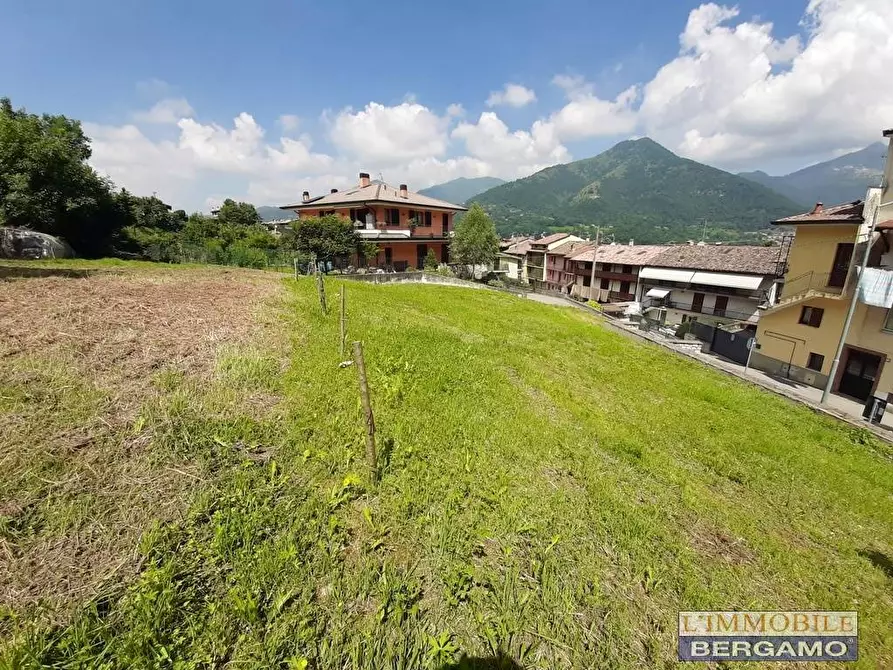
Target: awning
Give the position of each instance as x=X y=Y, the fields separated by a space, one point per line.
x=666 y=274
x=657 y=293
x=727 y=280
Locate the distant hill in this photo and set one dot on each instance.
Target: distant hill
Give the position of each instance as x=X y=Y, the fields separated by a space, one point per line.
x=461 y=189
x=269 y=213
x=636 y=190
x=841 y=179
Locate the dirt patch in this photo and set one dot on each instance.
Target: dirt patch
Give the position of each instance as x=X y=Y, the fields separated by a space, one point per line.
x=715 y=543
x=80 y=356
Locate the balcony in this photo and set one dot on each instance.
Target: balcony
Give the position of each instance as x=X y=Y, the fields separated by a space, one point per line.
x=621 y=297
x=708 y=311
x=619 y=276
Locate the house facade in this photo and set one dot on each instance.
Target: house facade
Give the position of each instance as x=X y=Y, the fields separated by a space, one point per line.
x=615 y=277
x=513 y=259
x=538 y=253
x=405 y=225
x=710 y=283
x=560 y=269
x=799 y=336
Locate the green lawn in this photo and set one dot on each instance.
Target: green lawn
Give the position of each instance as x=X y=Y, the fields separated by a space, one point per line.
x=551 y=492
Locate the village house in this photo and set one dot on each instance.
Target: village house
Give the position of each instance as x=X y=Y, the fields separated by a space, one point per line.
x=616 y=272
x=512 y=258
x=537 y=255
x=560 y=270
x=405 y=225
x=798 y=338
x=711 y=283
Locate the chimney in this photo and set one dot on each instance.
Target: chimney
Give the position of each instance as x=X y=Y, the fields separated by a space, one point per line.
x=817 y=209
x=404 y=193
x=631 y=242
x=334 y=190
x=305 y=197
x=364 y=179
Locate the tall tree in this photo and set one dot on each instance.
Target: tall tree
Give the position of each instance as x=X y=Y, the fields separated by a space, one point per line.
x=46 y=183
x=327 y=238
x=238 y=213
x=474 y=241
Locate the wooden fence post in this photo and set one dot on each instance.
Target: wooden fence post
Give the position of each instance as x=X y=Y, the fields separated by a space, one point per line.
x=371 y=457
x=321 y=289
x=343 y=323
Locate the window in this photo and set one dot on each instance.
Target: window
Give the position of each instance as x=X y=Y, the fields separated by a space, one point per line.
x=815 y=362
x=606 y=284
x=428 y=219
x=624 y=287
x=586 y=280
x=811 y=316
x=888 y=322
x=627 y=269
x=392 y=216
x=446 y=222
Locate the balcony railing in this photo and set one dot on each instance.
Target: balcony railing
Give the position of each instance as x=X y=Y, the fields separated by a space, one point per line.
x=826 y=282
x=708 y=311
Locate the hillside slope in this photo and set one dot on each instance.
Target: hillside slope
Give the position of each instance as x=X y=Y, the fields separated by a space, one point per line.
x=637 y=189
x=842 y=179
x=462 y=189
x=553 y=492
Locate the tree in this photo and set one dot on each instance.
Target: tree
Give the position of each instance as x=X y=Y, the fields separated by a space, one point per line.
x=46 y=183
x=474 y=241
x=327 y=238
x=238 y=213
x=431 y=260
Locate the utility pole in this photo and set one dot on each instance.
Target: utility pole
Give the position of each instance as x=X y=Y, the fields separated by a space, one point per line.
x=598 y=231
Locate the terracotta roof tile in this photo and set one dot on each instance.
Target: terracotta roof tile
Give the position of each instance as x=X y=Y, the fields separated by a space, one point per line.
x=375 y=192
x=720 y=258
x=848 y=212
x=638 y=254
x=549 y=239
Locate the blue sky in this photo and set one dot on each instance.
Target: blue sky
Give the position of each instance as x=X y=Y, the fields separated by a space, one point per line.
x=402 y=88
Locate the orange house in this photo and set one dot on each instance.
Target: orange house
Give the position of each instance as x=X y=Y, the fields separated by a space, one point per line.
x=404 y=225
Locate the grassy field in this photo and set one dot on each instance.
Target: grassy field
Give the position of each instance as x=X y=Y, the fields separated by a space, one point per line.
x=182 y=483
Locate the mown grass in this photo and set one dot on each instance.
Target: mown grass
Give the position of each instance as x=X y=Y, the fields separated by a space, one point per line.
x=552 y=494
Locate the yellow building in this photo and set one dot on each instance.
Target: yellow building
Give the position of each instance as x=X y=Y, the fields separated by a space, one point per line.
x=798 y=337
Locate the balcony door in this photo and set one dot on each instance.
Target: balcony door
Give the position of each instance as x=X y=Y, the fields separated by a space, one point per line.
x=841 y=265
x=697 y=302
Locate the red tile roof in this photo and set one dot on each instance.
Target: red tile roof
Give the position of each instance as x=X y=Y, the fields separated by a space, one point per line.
x=848 y=212
x=637 y=254
x=720 y=258
x=549 y=239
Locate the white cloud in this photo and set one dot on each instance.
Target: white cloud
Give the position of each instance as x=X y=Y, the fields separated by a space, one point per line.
x=587 y=115
x=737 y=95
x=379 y=133
x=289 y=122
x=456 y=110
x=513 y=95
x=510 y=153
x=167 y=111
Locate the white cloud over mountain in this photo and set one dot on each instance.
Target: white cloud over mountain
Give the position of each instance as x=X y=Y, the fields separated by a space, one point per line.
x=736 y=95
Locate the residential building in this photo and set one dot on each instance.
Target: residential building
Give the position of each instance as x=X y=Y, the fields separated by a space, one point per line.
x=616 y=273
x=798 y=337
x=405 y=225
x=712 y=283
x=560 y=270
x=537 y=255
x=513 y=259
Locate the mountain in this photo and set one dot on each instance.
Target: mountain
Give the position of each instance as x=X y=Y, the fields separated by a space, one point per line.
x=462 y=189
x=636 y=190
x=268 y=213
x=841 y=179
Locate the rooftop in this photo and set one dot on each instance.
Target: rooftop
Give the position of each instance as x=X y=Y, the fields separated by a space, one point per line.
x=549 y=239
x=372 y=192
x=570 y=248
x=716 y=258
x=620 y=253
x=848 y=212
